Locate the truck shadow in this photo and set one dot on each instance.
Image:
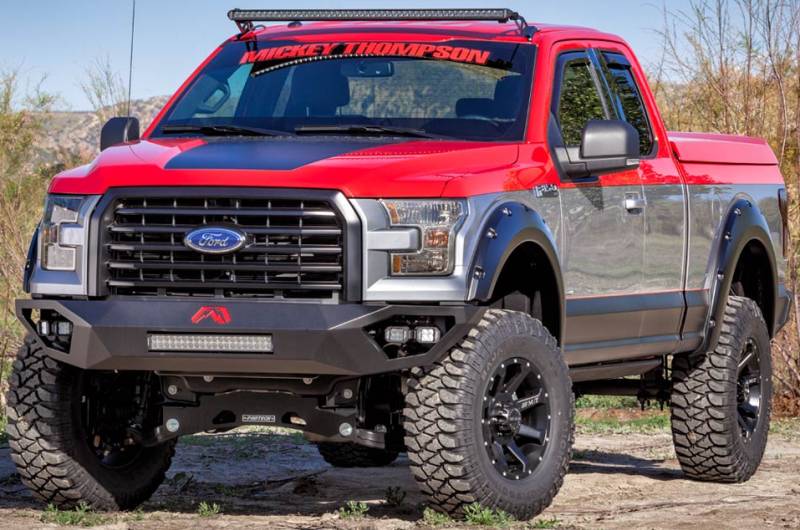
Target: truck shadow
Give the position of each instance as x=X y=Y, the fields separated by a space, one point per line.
x=299 y=483
x=607 y=463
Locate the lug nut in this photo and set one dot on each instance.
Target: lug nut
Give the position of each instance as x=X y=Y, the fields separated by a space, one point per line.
x=345 y=429
x=173 y=425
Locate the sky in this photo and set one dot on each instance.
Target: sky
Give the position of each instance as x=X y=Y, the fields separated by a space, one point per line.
x=57 y=40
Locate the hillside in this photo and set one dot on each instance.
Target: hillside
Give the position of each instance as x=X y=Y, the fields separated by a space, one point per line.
x=79 y=132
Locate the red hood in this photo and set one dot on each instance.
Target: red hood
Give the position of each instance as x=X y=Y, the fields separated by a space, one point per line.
x=358 y=168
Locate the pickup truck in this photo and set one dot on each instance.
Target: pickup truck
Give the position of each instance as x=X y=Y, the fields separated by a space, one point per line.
x=400 y=231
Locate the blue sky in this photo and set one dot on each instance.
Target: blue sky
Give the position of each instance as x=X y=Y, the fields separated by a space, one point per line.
x=59 y=39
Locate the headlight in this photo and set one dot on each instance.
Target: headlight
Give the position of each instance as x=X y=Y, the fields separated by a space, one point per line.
x=61 y=233
x=437 y=221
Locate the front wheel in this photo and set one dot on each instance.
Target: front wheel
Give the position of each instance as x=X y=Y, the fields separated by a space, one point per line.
x=72 y=434
x=493 y=422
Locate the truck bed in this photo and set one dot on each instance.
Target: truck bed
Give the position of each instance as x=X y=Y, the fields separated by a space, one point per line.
x=706 y=148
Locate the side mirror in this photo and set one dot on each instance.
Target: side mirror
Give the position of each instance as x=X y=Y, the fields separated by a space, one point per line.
x=606 y=146
x=118 y=131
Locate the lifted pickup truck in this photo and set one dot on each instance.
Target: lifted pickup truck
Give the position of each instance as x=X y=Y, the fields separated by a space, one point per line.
x=415 y=231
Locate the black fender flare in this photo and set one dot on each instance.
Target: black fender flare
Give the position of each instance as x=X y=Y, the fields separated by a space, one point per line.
x=30 y=260
x=509 y=226
x=744 y=224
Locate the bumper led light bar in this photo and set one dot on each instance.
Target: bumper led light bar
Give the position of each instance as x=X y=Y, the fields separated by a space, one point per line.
x=210 y=343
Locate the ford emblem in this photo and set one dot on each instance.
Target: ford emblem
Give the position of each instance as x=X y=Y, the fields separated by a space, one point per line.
x=215 y=240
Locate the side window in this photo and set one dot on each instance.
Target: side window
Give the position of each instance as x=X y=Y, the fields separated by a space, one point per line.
x=579 y=100
x=628 y=99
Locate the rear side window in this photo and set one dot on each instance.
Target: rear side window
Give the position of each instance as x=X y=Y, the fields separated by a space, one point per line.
x=627 y=98
x=578 y=100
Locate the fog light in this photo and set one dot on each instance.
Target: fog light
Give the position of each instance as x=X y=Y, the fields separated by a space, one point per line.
x=211 y=343
x=63 y=327
x=427 y=334
x=58 y=328
x=397 y=334
x=297 y=420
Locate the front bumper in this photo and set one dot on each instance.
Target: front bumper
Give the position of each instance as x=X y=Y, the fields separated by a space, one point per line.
x=308 y=338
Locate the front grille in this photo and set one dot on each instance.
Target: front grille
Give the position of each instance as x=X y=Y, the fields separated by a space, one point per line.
x=295 y=247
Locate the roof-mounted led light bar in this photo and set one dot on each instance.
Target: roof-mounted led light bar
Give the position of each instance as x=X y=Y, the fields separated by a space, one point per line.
x=245 y=18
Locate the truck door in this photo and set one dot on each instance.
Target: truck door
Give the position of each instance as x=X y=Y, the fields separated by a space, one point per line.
x=664 y=207
x=603 y=225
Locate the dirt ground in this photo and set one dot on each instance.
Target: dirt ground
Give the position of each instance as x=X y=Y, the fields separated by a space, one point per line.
x=276 y=480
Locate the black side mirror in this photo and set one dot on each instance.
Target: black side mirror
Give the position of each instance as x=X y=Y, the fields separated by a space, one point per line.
x=118 y=131
x=607 y=146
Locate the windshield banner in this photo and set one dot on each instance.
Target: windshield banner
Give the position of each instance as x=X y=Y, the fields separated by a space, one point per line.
x=459 y=54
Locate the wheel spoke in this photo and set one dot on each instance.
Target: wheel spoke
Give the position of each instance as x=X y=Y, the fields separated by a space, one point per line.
x=531 y=433
x=529 y=402
x=746 y=409
x=746 y=358
x=742 y=423
x=499 y=456
x=514 y=383
x=519 y=454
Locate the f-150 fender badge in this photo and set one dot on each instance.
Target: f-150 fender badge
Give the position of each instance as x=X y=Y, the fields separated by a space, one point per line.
x=258 y=418
x=545 y=190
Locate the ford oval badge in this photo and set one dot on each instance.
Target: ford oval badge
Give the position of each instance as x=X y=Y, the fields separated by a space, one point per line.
x=215 y=240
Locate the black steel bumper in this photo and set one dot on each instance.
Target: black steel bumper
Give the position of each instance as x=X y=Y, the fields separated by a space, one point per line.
x=308 y=338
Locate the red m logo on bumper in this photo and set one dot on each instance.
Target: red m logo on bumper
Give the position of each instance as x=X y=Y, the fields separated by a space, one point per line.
x=218 y=314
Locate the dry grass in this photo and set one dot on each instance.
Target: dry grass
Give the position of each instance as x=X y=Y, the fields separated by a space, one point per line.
x=23 y=184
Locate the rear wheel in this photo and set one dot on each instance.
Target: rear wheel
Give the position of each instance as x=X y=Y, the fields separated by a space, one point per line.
x=493 y=422
x=721 y=400
x=72 y=434
x=354 y=455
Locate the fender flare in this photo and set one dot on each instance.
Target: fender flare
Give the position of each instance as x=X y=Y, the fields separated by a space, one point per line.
x=509 y=226
x=30 y=260
x=744 y=224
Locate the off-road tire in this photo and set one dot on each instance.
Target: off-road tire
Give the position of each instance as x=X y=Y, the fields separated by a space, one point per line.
x=51 y=458
x=709 y=441
x=443 y=416
x=354 y=455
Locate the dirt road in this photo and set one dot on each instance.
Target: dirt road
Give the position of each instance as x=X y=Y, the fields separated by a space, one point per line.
x=263 y=480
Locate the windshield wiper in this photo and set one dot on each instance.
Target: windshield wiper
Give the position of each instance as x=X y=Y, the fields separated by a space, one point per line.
x=221 y=130
x=364 y=130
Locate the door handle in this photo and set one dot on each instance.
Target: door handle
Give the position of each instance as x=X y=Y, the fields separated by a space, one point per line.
x=634 y=203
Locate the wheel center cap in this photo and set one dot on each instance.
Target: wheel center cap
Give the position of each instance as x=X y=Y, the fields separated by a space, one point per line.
x=507 y=419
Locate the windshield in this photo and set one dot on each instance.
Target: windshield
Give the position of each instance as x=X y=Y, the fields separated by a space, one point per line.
x=469 y=90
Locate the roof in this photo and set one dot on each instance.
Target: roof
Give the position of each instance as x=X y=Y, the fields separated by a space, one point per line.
x=428 y=30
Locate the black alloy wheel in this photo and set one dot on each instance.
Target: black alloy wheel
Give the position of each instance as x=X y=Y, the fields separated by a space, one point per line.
x=110 y=415
x=516 y=418
x=748 y=389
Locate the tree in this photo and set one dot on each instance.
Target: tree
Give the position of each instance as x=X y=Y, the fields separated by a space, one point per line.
x=733 y=66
